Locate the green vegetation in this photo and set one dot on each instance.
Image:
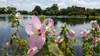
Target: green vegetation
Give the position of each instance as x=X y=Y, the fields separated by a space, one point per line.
x=54 y=10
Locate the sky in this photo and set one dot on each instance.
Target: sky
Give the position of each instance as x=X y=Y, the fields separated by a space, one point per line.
x=30 y=4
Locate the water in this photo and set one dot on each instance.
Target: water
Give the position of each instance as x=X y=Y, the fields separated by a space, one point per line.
x=76 y=24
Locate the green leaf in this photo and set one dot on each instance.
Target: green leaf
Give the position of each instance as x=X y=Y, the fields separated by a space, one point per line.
x=63 y=45
x=18 y=30
x=21 y=26
x=71 y=42
x=68 y=52
x=90 y=40
x=88 y=55
x=97 y=49
x=90 y=36
x=55 y=50
x=73 y=51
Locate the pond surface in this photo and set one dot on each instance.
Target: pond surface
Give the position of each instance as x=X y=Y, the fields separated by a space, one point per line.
x=76 y=24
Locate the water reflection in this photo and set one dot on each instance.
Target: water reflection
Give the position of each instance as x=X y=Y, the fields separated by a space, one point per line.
x=76 y=24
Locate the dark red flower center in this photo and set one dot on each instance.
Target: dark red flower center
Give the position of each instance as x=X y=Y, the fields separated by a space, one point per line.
x=39 y=30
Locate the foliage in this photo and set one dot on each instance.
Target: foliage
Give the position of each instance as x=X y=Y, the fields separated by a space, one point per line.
x=42 y=40
x=90 y=40
x=53 y=10
x=53 y=45
x=38 y=9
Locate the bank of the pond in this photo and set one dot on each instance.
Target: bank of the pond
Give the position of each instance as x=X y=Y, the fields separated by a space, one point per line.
x=59 y=16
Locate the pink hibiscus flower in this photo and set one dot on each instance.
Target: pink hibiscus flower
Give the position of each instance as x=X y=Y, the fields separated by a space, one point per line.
x=36 y=30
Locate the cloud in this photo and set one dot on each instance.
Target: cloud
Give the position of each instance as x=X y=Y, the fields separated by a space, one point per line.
x=21 y=6
x=3 y=0
x=30 y=4
x=62 y=5
x=42 y=6
x=82 y=3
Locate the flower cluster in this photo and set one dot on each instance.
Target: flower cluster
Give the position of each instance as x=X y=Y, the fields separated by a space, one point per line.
x=37 y=32
x=94 y=32
x=91 y=37
x=40 y=34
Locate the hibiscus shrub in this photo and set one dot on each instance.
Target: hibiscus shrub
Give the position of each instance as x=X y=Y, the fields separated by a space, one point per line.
x=42 y=40
x=17 y=44
x=91 y=40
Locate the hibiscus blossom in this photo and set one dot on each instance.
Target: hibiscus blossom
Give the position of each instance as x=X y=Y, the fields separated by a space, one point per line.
x=36 y=30
x=49 y=25
x=19 y=16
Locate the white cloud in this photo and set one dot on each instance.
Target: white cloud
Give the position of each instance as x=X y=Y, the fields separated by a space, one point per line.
x=28 y=0
x=62 y=5
x=82 y=3
x=2 y=0
x=21 y=6
x=42 y=6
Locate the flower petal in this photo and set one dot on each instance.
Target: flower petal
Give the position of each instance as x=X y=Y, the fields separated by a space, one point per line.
x=39 y=42
x=43 y=30
x=50 y=21
x=31 y=40
x=50 y=25
x=32 y=51
x=36 y=22
x=30 y=29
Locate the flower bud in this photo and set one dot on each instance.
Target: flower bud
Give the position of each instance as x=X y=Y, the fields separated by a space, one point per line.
x=58 y=39
x=71 y=33
x=12 y=25
x=98 y=27
x=87 y=33
x=93 y=21
x=7 y=45
x=93 y=29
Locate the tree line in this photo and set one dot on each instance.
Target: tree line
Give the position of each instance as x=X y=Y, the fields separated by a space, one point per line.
x=53 y=10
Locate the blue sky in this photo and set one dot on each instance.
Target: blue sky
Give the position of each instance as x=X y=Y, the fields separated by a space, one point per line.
x=30 y=4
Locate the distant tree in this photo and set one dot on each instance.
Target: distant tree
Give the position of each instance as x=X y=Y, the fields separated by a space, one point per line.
x=25 y=12
x=49 y=11
x=75 y=8
x=64 y=11
x=2 y=10
x=38 y=9
x=20 y=11
x=35 y=13
x=10 y=9
x=54 y=7
x=73 y=13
